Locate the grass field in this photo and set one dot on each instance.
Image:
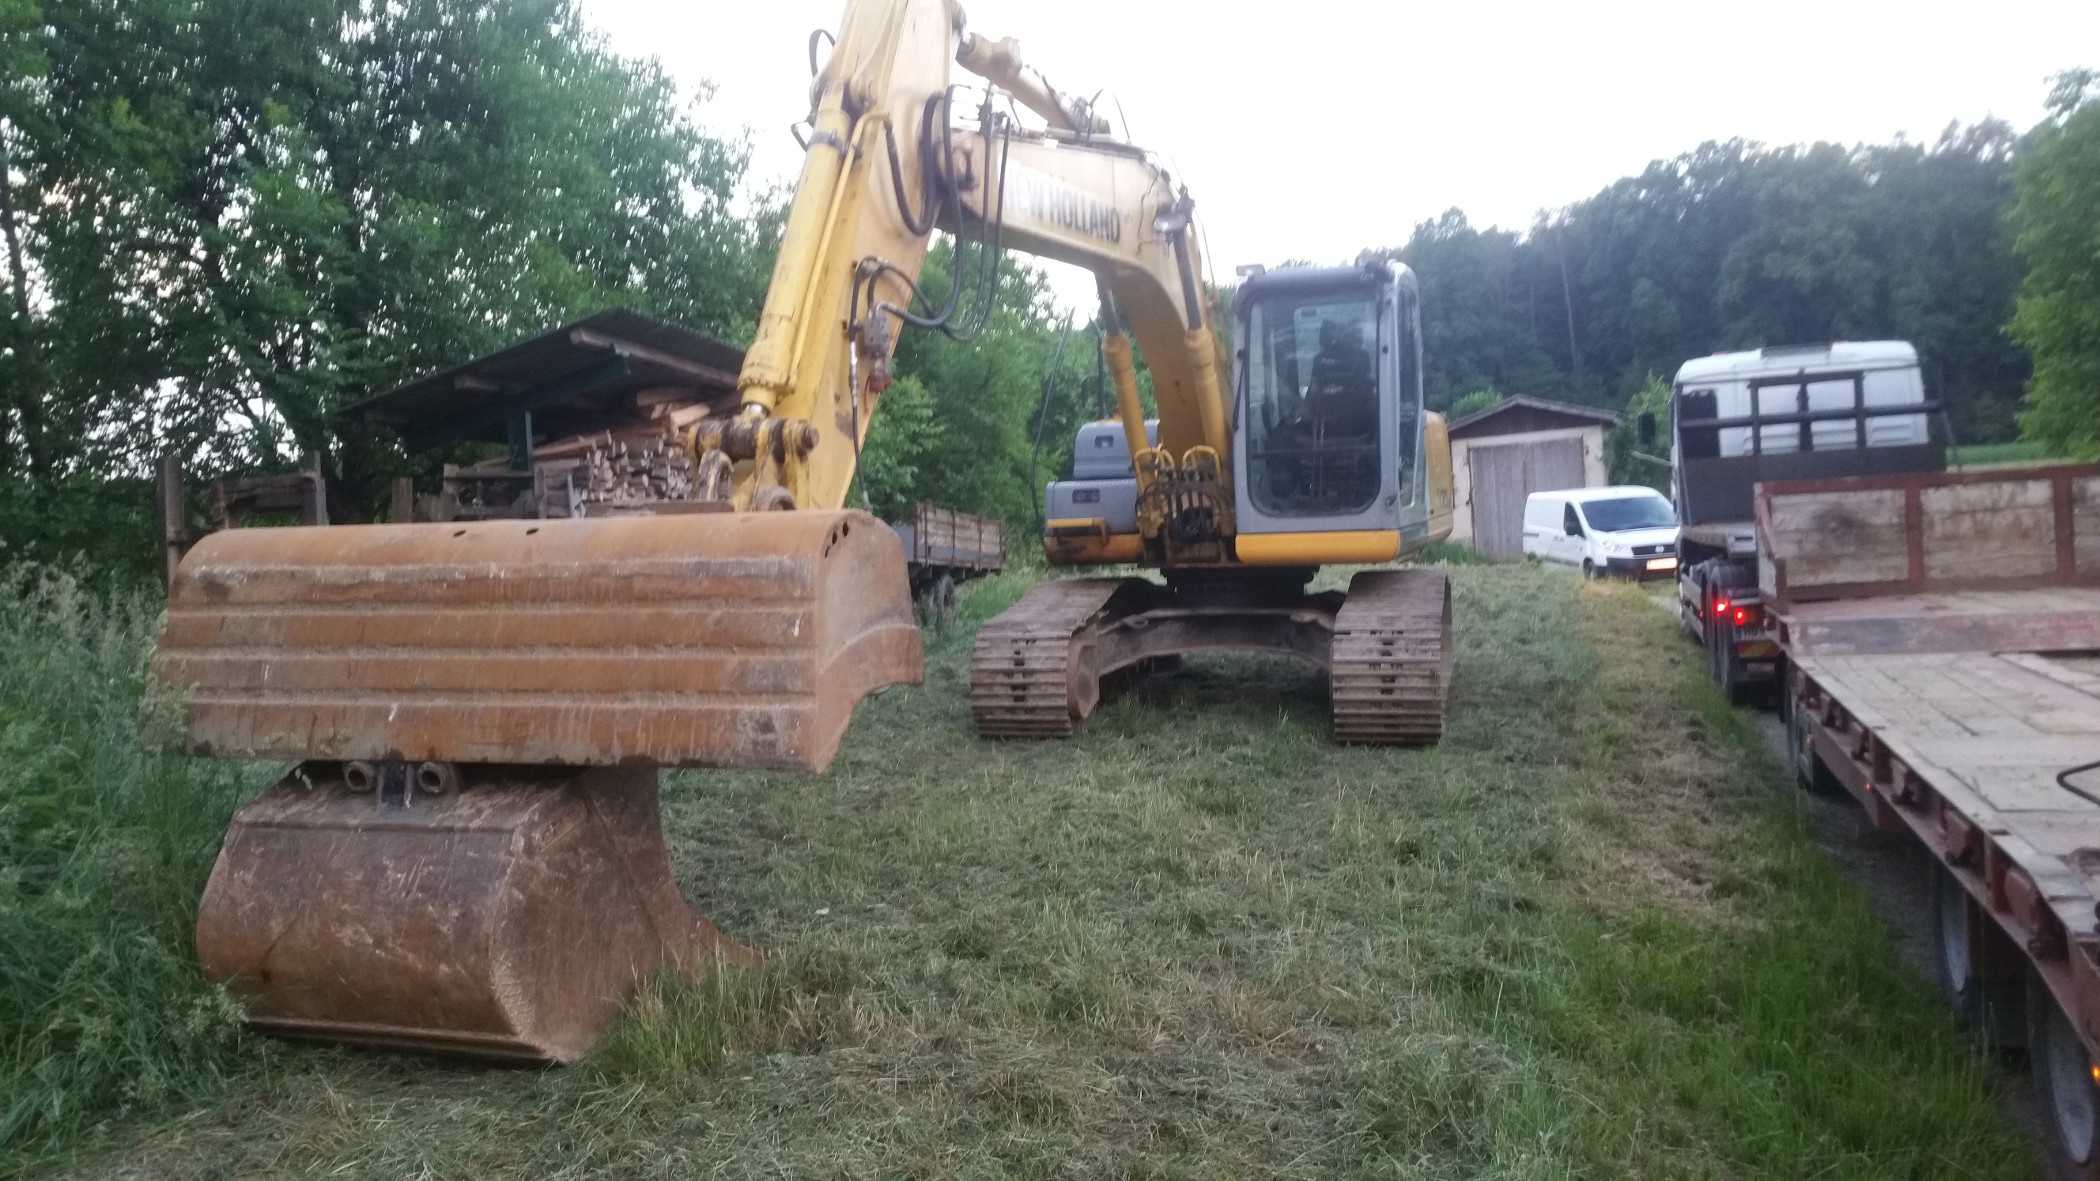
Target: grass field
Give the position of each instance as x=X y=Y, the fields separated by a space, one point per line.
x=1586 y=936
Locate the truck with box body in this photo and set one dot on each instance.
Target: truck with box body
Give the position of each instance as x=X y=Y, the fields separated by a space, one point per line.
x=1783 y=413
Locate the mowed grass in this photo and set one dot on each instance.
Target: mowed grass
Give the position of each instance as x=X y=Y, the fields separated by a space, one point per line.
x=1585 y=936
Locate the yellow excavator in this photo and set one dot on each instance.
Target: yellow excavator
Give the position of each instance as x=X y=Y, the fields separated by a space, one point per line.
x=468 y=856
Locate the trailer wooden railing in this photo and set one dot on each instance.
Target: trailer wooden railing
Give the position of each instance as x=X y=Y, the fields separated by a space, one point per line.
x=1861 y=536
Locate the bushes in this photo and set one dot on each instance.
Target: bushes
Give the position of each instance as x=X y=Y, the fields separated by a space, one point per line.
x=104 y=849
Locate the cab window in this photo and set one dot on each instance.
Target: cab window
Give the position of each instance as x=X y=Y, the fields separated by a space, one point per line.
x=1571 y=523
x=1313 y=423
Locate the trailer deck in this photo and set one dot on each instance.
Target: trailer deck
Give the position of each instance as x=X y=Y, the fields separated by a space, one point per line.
x=1942 y=636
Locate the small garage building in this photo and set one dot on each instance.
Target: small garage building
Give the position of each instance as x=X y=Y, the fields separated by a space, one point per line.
x=1506 y=452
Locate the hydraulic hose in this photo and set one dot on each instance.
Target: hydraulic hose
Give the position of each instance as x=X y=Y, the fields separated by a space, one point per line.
x=1042 y=420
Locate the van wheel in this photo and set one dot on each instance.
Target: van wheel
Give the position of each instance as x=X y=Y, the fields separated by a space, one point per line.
x=2063 y=1081
x=1589 y=572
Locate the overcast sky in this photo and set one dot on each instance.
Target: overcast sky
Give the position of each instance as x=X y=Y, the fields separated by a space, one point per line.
x=1313 y=130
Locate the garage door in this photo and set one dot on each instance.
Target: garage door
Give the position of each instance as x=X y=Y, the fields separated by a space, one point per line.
x=1504 y=476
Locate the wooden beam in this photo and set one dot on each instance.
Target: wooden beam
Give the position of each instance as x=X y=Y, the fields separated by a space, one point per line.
x=693 y=369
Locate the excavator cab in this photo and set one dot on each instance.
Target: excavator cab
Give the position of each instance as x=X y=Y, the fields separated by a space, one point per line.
x=1328 y=412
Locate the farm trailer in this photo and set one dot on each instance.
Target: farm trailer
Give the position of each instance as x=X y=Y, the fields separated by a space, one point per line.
x=944 y=548
x=1941 y=640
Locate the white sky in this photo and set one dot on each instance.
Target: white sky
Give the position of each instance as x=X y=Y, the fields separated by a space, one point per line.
x=1313 y=130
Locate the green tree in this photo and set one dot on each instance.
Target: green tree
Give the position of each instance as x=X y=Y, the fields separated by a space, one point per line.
x=1626 y=459
x=243 y=217
x=960 y=429
x=1472 y=403
x=2058 y=220
x=1736 y=245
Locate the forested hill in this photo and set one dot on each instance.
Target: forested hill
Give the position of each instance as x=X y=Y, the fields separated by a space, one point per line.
x=1733 y=246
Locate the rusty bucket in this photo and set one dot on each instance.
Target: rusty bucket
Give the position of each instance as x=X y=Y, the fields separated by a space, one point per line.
x=507 y=916
x=715 y=640
x=470 y=857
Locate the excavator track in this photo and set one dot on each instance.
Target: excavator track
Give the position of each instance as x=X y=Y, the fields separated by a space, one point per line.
x=1390 y=668
x=1031 y=673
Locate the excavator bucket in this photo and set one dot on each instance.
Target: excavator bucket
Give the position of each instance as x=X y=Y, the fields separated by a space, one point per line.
x=710 y=639
x=507 y=917
x=469 y=858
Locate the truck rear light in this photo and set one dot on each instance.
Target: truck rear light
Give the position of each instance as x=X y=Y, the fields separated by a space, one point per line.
x=1750 y=616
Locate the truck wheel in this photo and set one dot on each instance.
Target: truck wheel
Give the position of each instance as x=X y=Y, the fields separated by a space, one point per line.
x=1727 y=670
x=1810 y=775
x=2063 y=1081
x=1589 y=572
x=1729 y=673
x=1966 y=945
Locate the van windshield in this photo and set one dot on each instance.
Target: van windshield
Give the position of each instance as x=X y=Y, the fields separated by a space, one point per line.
x=1621 y=513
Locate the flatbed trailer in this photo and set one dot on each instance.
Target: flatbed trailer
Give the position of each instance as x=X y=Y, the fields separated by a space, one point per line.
x=944 y=548
x=1941 y=636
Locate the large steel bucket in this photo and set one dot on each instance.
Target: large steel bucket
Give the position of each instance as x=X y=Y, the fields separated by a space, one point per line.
x=543 y=669
x=717 y=639
x=507 y=918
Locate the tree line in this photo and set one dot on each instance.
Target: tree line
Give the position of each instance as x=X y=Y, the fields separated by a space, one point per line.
x=222 y=222
x=1732 y=246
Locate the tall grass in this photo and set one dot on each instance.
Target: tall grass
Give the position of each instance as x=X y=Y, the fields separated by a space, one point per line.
x=1582 y=937
x=103 y=852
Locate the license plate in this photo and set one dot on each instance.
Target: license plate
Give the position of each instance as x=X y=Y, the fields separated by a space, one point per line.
x=1757 y=649
x=1662 y=563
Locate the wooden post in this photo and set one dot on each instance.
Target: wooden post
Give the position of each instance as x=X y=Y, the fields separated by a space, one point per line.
x=404 y=507
x=314 y=507
x=520 y=431
x=173 y=514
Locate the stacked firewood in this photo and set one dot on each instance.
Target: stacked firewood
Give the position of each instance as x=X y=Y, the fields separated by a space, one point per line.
x=620 y=472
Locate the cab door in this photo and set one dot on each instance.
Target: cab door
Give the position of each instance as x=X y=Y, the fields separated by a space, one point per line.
x=1574 y=541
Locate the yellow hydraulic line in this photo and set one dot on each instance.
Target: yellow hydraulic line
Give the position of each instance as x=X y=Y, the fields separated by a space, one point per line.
x=1122 y=370
x=1210 y=407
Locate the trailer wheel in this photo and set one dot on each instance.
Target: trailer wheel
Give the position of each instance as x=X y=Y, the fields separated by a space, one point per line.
x=1967 y=947
x=2063 y=1081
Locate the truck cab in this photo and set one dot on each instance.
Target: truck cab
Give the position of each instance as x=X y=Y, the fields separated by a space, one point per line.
x=1795 y=412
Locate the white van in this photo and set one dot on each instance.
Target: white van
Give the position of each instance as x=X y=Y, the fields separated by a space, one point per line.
x=1625 y=529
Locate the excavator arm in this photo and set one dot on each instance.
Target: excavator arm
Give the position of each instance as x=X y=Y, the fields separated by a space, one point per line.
x=890 y=159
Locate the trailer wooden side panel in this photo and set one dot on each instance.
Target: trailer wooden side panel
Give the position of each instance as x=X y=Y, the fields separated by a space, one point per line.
x=1874 y=536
